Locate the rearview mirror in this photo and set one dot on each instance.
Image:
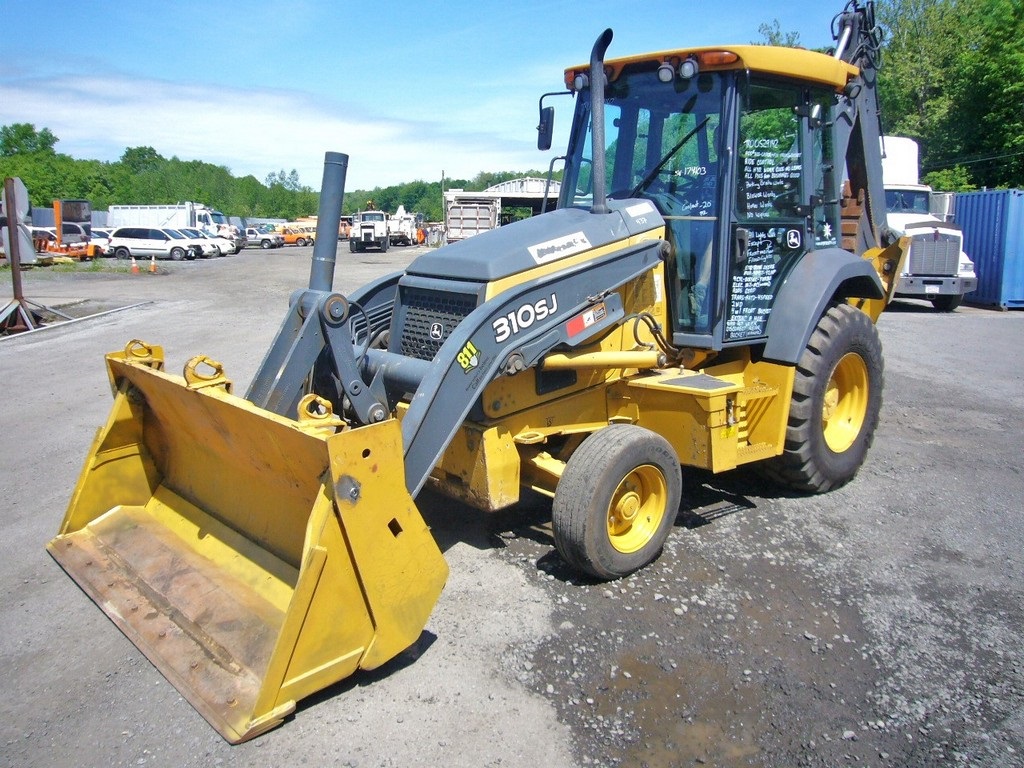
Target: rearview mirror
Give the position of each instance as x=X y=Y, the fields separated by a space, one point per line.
x=545 y=128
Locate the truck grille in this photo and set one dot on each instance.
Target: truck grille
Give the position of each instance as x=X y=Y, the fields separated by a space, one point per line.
x=429 y=318
x=934 y=253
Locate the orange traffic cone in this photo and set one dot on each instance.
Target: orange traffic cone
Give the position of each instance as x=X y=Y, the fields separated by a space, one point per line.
x=152 y=264
x=135 y=267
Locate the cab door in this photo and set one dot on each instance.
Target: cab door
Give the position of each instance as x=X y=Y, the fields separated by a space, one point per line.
x=780 y=207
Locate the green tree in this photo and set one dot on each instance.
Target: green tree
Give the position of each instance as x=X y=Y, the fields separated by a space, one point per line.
x=24 y=139
x=772 y=34
x=289 y=181
x=955 y=179
x=923 y=44
x=143 y=176
x=953 y=78
x=989 y=87
x=141 y=159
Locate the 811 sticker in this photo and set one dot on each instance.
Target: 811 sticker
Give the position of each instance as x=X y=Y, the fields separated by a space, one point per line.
x=468 y=357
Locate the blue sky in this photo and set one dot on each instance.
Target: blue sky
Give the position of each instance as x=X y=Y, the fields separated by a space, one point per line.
x=408 y=90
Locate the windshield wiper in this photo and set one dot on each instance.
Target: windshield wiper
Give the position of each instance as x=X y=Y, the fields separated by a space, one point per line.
x=668 y=156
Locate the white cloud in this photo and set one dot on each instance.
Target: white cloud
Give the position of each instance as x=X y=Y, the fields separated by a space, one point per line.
x=262 y=131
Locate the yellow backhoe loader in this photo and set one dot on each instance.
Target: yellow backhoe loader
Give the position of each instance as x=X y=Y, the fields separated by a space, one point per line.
x=703 y=295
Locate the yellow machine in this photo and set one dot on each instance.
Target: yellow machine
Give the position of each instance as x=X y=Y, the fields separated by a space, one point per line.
x=73 y=222
x=703 y=295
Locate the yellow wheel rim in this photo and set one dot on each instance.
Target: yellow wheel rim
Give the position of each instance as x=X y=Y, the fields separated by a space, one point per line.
x=846 y=403
x=637 y=509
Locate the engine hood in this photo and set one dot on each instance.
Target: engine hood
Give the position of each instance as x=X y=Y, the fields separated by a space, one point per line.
x=901 y=221
x=543 y=239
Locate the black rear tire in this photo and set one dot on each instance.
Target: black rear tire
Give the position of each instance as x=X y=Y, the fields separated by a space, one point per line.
x=616 y=501
x=837 y=398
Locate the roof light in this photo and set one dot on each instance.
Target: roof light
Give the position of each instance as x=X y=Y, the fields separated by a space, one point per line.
x=666 y=73
x=580 y=81
x=718 y=58
x=688 y=68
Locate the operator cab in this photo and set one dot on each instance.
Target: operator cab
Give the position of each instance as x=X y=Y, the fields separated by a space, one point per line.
x=738 y=163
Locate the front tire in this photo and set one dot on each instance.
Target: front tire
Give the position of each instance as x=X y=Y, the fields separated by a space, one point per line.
x=265 y=244
x=947 y=303
x=837 y=397
x=177 y=253
x=122 y=254
x=616 y=501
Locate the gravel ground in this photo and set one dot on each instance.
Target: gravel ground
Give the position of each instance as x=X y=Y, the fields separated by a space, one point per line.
x=877 y=625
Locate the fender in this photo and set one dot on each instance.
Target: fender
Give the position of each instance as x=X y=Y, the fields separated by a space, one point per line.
x=820 y=278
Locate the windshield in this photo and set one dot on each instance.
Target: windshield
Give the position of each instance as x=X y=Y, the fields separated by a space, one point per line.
x=661 y=142
x=906 y=200
x=378 y=216
x=175 y=234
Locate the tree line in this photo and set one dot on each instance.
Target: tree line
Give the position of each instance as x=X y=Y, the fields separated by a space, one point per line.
x=144 y=177
x=952 y=78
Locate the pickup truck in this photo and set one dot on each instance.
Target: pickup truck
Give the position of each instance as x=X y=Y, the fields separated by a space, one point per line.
x=295 y=236
x=263 y=238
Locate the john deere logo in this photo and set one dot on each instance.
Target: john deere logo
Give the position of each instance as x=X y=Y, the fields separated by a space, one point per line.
x=436 y=331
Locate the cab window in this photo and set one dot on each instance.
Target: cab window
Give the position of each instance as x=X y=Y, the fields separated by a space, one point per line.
x=780 y=205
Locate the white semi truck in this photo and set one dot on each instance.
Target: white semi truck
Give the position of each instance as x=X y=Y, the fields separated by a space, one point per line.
x=174 y=216
x=936 y=269
x=369 y=230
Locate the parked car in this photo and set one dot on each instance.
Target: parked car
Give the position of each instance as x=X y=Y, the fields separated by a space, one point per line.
x=100 y=238
x=42 y=233
x=224 y=246
x=295 y=236
x=145 y=242
x=71 y=233
x=263 y=238
x=200 y=246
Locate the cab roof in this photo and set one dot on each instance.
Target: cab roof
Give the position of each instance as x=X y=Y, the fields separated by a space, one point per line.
x=794 y=63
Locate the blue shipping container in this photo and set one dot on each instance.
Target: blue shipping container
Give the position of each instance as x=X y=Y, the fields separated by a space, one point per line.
x=993 y=225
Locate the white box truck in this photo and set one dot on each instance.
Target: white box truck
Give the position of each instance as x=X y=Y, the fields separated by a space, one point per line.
x=191 y=215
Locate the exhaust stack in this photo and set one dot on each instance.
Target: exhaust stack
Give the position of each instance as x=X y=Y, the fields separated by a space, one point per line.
x=332 y=194
x=597 y=118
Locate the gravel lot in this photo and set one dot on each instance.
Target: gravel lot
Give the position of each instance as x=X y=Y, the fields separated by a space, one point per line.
x=880 y=624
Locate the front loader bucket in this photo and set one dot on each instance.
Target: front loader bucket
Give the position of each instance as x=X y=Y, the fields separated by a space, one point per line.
x=254 y=559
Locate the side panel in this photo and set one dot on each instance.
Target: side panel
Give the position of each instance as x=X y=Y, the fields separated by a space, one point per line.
x=814 y=281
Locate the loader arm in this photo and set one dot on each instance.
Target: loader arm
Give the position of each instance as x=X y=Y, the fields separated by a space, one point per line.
x=473 y=356
x=858 y=123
